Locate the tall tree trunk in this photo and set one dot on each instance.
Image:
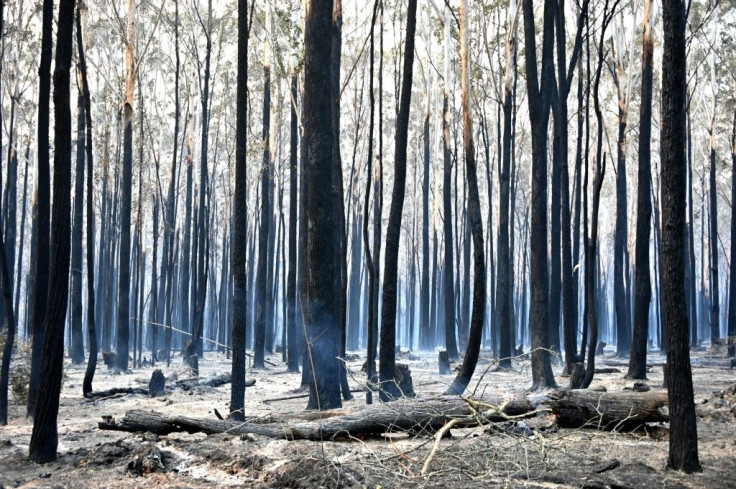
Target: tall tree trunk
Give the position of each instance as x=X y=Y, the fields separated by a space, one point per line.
x=203 y=262
x=91 y=324
x=167 y=259
x=449 y=267
x=43 y=205
x=424 y=322
x=476 y=221
x=44 y=438
x=504 y=286
x=693 y=309
x=77 y=345
x=341 y=283
x=713 y=234
x=591 y=254
x=322 y=314
x=19 y=273
x=732 y=274
x=539 y=107
x=126 y=197
x=240 y=210
x=638 y=358
x=291 y=306
x=389 y=387
x=683 y=447
x=372 y=258
x=261 y=301
x=8 y=298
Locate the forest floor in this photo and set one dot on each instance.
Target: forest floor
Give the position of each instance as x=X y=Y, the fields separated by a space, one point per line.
x=500 y=455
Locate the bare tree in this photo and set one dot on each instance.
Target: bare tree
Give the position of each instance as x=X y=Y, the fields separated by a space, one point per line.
x=389 y=387
x=44 y=438
x=683 y=447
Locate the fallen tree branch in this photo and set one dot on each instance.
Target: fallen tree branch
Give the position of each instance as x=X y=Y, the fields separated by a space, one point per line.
x=600 y=410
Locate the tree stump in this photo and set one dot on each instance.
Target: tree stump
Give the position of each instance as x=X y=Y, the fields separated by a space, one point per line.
x=403 y=378
x=157 y=384
x=601 y=346
x=109 y=358
x=194 y=364
x=444 y=362
x=577 y=375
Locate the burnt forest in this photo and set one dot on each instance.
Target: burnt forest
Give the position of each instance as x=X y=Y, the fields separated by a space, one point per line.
x=367 y=244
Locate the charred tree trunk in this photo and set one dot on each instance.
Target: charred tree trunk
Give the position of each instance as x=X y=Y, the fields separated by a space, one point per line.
x=91 y=323
x=683 y=446
x=713 y=235
x=504 y=286
x=291 y=306
x=592 y=241
x=261 y=301
x=240 y=210
x=43 y=203
x=371 y=260
x=732 y=274
x=44 y=438
x=126 y=198
x=77 y=346
x=539 y=108
x=476 y=221
x=389 y=387
x=643 y=295
x=202 y=221
x=341 y=278
x=449 y=266
x=323 y=306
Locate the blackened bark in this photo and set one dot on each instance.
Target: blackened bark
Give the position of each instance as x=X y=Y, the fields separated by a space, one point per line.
x=693 y=309
x=240 y=210
x=44 y=438
x=371 y=263
x=620 y=295
x=261 y=300
x=126 y=199
x=683 y=446
x=389 y=387
x=7 y=293
x=202 y=221
x=43 y=206
x=91 y=323
x=341 y=278
x=732 y=274
x=188 y=258
x=425 y=342
x=76 y=350
x=291 y=309
x=643 y=294
x=591 y=253
x=449 y=266
x=476 y=222
x=322 y=314
x=21 y=249
x=539 y=107
x=713 y=235
x=503 y=286
x=167 y=259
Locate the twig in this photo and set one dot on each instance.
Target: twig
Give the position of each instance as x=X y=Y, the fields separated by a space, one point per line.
x=437 y=437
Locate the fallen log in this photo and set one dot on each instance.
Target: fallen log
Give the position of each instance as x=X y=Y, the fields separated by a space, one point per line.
x=117 y=390
x=185 y=385
x=216 y=381
x=607 y=410
x=572 y=408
